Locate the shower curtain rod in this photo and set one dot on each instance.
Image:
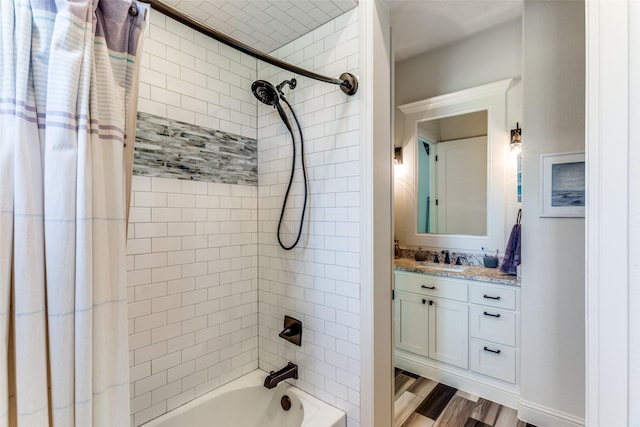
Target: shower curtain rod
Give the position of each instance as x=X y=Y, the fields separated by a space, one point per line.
x=347 y=81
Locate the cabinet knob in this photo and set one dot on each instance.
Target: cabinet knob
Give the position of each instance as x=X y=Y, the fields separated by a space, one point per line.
x=424 y=301
x=430 y=302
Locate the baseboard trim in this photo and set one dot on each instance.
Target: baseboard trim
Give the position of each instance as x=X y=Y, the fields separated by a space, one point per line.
x=543 y=416
x=461 y=379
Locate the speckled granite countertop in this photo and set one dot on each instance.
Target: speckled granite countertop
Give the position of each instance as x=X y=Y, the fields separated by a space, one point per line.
x=473 y=272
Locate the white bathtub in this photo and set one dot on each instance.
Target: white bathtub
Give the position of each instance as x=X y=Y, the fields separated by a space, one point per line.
x=245 y=402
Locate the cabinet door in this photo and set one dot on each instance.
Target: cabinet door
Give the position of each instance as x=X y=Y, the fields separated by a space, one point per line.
x=449 y=332
x=412 y=319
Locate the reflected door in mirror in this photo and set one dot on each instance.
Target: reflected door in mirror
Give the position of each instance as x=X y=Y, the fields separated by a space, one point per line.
x=461 y=181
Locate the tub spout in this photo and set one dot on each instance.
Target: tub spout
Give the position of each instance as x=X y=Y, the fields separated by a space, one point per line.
x=289 y=371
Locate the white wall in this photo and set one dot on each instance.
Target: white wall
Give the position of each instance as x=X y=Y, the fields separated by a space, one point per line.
x=634 y=215
x=192 y=248
x=553 y=341
x=376 y=275
x=613 y=214
x=486 y=57
x=318 y=282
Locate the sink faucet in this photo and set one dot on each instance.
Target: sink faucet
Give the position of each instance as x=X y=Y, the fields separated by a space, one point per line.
x=289 y=371
x=459 y=260
x=447 y=259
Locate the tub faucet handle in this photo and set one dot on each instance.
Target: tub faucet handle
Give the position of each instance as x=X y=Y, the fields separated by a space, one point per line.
x=292 y=331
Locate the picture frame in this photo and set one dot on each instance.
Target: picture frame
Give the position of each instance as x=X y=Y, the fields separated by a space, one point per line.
x=563 y=185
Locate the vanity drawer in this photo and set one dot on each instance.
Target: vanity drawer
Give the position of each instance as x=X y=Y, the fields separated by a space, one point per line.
x=493 y=296
x=498 y=326
x=434 y=286
x=493 y=360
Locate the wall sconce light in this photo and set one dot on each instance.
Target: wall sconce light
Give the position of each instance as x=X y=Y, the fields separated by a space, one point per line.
x=397 y=155
x=516 y=137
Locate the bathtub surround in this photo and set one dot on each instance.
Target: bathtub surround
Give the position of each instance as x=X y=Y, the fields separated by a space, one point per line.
x=194 y=245
x=168 y=148
x=194 y=79
x=192 y=261
x=319 y=281
x=192 y=249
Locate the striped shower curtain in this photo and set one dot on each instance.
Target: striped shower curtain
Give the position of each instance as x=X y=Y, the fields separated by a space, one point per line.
x=68 y=79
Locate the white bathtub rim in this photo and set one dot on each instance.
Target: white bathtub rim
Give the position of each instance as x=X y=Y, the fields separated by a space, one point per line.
x=314 y=408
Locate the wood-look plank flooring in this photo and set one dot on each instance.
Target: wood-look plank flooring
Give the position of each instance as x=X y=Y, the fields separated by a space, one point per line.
x=421 y=402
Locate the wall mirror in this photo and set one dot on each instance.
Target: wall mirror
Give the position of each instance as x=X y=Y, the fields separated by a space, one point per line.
x=454 y=152
x=451 y=187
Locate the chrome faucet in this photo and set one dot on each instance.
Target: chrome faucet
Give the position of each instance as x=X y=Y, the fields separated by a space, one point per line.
x=289 y=371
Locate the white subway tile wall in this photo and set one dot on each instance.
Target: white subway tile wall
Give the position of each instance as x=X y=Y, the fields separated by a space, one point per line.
x=319 y=281
x=193 y=290
x=203 y=260
x=192 y=78
x=192 y=248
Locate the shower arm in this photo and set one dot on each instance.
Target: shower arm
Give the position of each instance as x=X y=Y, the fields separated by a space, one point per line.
x=348 y=82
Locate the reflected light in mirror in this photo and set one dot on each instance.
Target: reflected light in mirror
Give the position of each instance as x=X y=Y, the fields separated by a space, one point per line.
x=397 y=155
x=516 y=139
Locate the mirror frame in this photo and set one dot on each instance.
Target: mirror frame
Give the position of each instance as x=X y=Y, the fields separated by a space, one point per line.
x=491 y=97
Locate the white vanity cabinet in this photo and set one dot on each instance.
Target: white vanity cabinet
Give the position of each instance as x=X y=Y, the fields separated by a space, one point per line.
x=430 y=327
x=460 y=332
x=493 y=332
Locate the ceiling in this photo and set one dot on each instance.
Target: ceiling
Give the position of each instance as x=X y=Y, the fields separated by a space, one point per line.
x=417 y=25
x=264 y=24
x=422 y=25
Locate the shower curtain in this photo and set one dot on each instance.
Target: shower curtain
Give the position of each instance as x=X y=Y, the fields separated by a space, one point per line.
x=68 y=79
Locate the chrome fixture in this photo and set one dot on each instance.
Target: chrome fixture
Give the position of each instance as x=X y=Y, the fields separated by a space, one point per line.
x=289 y=371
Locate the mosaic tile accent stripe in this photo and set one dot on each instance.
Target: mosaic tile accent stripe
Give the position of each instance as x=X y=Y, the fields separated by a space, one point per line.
x=167 y=148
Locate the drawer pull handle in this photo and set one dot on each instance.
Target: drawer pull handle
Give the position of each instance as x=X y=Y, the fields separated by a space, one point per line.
x=491 y=314
x=490 y=297
x=491 y=350
x=428 y=287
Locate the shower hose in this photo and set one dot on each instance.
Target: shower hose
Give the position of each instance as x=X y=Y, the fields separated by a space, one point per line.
x=304 y=174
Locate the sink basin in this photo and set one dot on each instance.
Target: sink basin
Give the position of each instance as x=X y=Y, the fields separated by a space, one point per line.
x=443 y=267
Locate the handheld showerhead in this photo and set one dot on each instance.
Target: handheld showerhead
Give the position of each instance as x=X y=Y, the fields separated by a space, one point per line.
x=265 y=92
x=270 y=95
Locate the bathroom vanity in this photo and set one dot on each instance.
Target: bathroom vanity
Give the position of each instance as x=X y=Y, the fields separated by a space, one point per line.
x=459 y=325
x=460 y=328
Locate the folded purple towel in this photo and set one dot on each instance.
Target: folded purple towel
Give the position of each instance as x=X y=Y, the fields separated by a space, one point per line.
x=512 y=253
